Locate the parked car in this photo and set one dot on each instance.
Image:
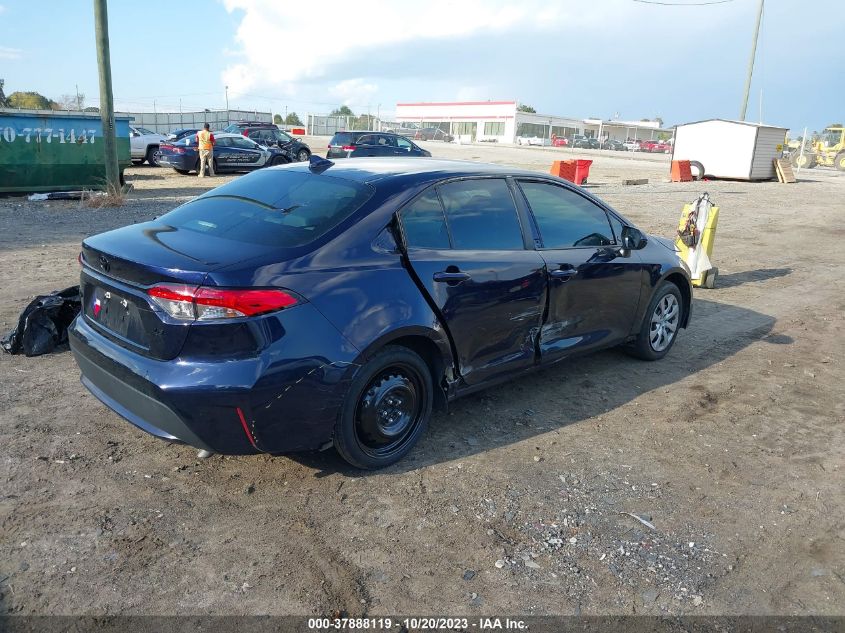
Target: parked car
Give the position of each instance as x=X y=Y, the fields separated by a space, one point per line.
x=232 y=153
x=654 y=146
x=269 y=134
x=613 y=144
x=533 y=140
x=585 y=142
x=144 y=145
x=337 y=303
x=433 y=134
x=632 y=145
x=560 y=141
x=272 y=135
x=369 y=143
x=177 y=135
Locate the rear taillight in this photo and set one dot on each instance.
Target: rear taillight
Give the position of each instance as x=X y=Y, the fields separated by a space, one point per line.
x=348 y=148
x=191 y=303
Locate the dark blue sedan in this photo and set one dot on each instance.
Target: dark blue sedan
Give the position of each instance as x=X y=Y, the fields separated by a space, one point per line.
x=232 y=153
x=336 y=304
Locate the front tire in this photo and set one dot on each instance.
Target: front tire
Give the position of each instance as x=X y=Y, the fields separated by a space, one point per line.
x=303 y=155
x=807 y=161
x=661 y=324
x=839 y=161
x=387 y=409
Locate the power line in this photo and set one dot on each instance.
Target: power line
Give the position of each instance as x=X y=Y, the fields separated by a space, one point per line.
x=683 y=4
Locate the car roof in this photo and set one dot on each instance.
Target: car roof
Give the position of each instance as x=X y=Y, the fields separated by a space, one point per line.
x=373 y=170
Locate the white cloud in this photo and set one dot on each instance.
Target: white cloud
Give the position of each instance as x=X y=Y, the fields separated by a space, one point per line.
x=10 y=53
x=351 y=91
x=282 y=45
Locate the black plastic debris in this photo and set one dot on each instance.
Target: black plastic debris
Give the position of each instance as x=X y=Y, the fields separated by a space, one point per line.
x=42 y=326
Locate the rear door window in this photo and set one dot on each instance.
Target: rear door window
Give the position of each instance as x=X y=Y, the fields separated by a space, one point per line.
x=566 y=219
x=481 y=215
x=273 y=208
x=424 y=224
x=366 y=139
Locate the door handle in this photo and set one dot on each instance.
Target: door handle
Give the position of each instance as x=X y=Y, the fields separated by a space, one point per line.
x=564 y=274
x=451 y=277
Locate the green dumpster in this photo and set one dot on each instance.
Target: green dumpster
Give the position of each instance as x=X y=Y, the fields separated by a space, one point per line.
x=46 y=150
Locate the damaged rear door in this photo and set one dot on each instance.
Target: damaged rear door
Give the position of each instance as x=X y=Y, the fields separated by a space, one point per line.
x=465 y=247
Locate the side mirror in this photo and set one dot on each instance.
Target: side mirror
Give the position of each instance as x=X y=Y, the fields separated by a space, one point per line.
x=633 y=239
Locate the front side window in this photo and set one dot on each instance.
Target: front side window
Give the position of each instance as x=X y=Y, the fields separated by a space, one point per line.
x=403 y=143
x=481 y=215
x=566 y=219
x=243 y=143
x=424 y=223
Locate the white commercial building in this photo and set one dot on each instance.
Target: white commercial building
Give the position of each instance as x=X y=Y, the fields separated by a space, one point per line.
x=500 y=121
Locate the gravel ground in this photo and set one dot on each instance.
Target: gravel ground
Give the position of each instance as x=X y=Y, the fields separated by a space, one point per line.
x=708 y=483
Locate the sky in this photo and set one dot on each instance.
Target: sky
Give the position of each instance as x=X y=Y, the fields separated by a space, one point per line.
x=625 y=59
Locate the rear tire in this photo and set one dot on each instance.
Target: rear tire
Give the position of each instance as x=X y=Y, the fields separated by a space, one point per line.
x=153 y=155
x=660 y=325
x=386 y=410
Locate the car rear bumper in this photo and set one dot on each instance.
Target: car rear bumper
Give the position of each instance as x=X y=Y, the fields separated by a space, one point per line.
x=283 y=399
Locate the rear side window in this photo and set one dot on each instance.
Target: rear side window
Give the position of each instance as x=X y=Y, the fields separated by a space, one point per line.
x=424 y=223
x=566 y=219
x=481 y=215
x=280 y=208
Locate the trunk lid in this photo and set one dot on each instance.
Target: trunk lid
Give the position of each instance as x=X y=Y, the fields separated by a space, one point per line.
x=119 y=267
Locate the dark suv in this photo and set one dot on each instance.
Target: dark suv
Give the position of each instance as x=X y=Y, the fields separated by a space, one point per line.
x=268 y=134
x=369 y=143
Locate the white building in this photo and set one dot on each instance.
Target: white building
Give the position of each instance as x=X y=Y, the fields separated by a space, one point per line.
x=500 y=121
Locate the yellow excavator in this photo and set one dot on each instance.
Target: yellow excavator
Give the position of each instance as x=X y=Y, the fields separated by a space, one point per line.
x=828 y=150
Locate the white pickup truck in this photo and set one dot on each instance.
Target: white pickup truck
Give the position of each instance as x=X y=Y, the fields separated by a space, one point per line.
x=144 y=145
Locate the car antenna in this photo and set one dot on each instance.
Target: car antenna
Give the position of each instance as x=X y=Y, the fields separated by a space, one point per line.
x=318 y=165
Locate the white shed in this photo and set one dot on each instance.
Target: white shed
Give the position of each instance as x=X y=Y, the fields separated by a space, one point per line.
x=730 y=149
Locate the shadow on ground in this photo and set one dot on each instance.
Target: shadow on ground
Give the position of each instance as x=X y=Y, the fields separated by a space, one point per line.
x=574 y=390
x=750 y=276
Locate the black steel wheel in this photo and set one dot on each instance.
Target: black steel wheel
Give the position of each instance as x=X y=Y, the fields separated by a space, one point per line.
x=386 y=411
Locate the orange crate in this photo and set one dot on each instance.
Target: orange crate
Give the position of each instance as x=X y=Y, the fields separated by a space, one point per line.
x=681 y=171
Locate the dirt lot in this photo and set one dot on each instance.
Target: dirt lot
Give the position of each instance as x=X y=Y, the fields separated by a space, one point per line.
x=515 y=501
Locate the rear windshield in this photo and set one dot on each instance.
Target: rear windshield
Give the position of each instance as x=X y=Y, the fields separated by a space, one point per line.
x=272 y=208
x=342 y=138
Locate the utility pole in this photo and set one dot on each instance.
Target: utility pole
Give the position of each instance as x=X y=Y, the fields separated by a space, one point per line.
x=744 y=108
x=101 y=30
x=78 y=100
x=227 y=102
